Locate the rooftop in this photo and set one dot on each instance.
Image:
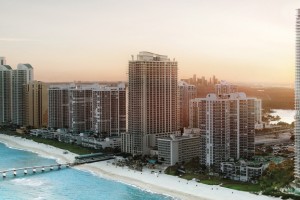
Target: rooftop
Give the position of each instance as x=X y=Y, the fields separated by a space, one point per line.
x=148 y=56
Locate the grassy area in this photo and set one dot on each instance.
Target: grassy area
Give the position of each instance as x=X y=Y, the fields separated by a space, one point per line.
x=70 y=147
x=275 y=177
x=236 y=185
x=66 y=146
x=249 y=187
x=211 y=181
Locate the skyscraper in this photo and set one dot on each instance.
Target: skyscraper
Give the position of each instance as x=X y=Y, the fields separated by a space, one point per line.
x=36 y=104
x=297 y=101
x=5 y=91
x=109 y=110
x=152 y=106
x=58 y=106
x=226 y=122
x=20 y=77
x=186 y=92
x=84 y=107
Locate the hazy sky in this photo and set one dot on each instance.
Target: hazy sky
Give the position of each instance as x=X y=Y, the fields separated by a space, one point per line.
x=92 y=40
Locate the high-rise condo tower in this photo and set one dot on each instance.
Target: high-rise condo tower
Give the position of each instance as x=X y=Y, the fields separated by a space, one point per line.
x=152 y=101
x=297 y=101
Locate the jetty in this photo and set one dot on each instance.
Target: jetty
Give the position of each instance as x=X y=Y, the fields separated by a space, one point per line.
x=33 y=170
x=79 y=160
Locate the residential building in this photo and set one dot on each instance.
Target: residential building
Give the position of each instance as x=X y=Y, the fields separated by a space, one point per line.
x=20 y=77
x=5 y=92
x=186 y=92
x=258 y=114
x=242 y=170
x=80 y=108
x=109 y=110
x=172 y=150
x=88 y=107
x=297 y=101
x=152 y=101
x=58 y=106
x=36 y=104
x=226 y=122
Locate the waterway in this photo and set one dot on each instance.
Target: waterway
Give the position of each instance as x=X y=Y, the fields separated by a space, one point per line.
x=285 y=115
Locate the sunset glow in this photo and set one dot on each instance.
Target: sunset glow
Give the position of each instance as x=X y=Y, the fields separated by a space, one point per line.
x=240 y=41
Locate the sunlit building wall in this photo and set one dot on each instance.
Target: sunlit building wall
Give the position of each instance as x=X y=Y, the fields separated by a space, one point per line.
x=152 y=101
x=297 y=101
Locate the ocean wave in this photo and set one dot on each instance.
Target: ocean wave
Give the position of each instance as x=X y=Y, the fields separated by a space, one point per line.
x=29 y=182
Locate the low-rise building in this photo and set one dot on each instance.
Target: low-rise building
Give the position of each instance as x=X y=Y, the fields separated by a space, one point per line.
x=96 y=143
x=242 y=170
x=178 y=149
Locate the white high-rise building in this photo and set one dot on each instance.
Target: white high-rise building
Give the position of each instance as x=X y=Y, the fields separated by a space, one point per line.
x=226 y=122
x=152 y=101
x=20 y=77
x=297 y=101
x=5 y=91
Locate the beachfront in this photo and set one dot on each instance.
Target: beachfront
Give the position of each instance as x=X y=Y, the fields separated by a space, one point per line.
x=155 y=182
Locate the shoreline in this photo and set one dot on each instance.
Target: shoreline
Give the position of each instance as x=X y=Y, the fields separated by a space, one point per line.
x=157 y=183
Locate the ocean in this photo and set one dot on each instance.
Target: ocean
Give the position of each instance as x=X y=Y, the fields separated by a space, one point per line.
x=65 y=184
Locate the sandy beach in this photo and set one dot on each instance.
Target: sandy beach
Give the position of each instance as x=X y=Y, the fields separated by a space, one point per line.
x=155 y=182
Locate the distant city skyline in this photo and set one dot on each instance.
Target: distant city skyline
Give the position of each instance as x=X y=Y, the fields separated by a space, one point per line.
x=239 y=41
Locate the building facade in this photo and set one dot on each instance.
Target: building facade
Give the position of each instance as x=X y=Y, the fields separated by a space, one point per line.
x=242 y=170
x=172 y=150
x=36 y=104
x=80 y=105
x=88 y=107
x=58 y=106
x=152 y=100
x=226 y=122
x=5 y=92
x=258 y=114
x=297 y=101
x=109 y=110
x=186 y=92
x=20 y=77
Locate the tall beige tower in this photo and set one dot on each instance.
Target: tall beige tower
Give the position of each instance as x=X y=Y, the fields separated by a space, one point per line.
x=36 y=104
x=152 y=96
x=297 y=102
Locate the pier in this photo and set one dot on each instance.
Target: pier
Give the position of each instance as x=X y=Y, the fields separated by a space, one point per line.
x=79 y=160
x=35 y=169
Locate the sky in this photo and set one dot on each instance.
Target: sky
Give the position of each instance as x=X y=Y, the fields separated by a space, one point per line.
x=251 y=41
